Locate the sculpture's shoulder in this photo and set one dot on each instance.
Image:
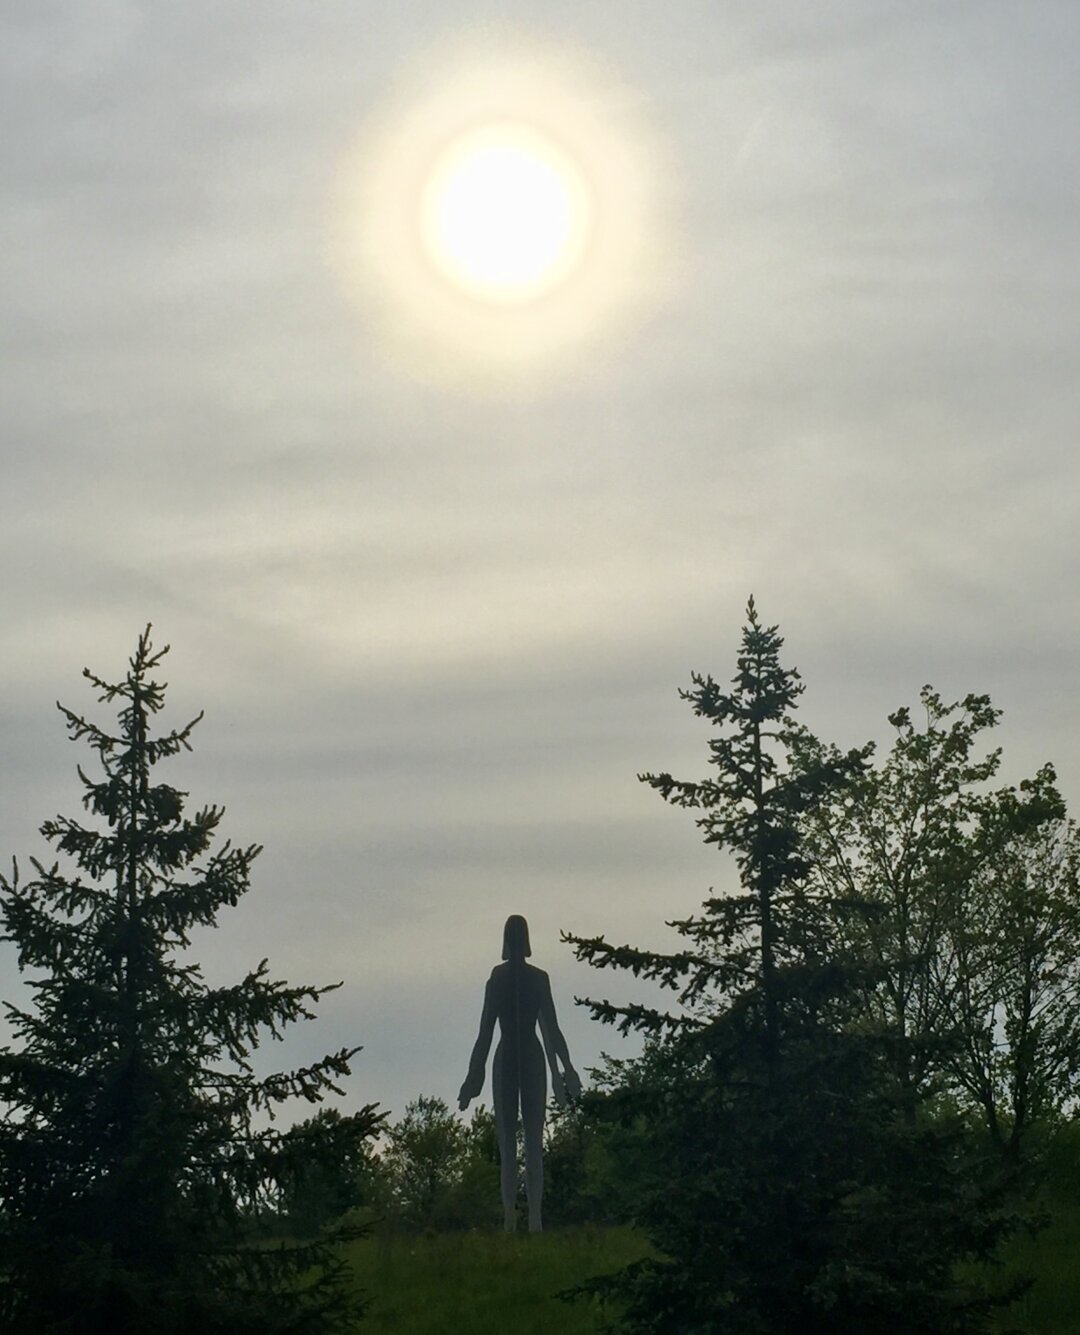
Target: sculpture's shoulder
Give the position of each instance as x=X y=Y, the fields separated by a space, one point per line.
x=539 y=983
x=503 y=974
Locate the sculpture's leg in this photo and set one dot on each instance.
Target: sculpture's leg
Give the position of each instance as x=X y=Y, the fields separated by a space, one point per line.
x=504 y=1096
x=534 y=1173
x=508 y=1178
x=533 y=1101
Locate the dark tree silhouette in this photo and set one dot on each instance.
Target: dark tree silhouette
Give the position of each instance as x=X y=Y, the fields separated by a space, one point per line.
x=133 y=1169
x=773 y=1169
x=339 y=1177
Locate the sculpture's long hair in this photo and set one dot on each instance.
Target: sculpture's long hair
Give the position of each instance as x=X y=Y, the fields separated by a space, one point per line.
x=516 y=938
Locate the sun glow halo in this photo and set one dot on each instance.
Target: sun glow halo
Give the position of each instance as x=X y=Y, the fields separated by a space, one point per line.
x=500 y=212
x=505 y=213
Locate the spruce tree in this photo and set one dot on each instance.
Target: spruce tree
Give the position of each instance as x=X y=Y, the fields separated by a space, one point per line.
x=138 y=1149
x=774 y=1173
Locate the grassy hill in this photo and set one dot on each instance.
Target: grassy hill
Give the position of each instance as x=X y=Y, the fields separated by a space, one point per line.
x=481 y=1283
x=487 y=1283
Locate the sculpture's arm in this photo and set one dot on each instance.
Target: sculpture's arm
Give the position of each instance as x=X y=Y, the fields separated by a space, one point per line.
x=474 y=1081
x=567 y=1081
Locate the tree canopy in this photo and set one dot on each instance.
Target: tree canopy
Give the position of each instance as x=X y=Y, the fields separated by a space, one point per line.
x=783 y=1178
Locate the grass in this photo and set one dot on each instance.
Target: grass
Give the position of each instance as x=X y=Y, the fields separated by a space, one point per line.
x=1052 y=1305
x=1051 y=1256
x=487 y=1283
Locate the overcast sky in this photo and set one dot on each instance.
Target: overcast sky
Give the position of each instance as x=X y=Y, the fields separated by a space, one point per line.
x=438 y=626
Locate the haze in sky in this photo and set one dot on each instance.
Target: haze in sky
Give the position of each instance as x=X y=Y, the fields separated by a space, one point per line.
x=440 y=491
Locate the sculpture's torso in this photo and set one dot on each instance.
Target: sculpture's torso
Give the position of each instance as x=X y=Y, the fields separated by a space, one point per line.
x=518 y=990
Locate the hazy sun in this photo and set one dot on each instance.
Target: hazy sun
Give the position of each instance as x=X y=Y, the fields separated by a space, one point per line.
x=505 y=213
x=501 y=211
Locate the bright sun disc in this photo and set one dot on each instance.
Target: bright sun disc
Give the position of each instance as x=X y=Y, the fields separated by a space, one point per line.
x=504 y=209
x=504 y=214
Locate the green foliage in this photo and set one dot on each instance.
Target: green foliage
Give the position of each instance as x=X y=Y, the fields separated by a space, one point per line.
x=1015 y=998
x=333 y=1170
x=787 y=1179
x=132 y=1167
x=579 y=1185
x=971 y=928
x=422 y=1159
x=438 y=1172
x=897 y=842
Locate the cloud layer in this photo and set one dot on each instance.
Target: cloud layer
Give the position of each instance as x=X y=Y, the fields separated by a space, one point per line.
x=438 y=633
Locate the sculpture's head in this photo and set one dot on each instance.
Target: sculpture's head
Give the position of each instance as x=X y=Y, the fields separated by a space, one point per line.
x=516 y=938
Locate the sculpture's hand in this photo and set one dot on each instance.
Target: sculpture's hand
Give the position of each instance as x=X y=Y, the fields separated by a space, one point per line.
x=558 y=1088
x=572 y=1081
x=469 y=1090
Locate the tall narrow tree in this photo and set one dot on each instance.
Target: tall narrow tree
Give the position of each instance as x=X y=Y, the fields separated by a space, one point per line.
x=778 y=1182
x=134 y=1156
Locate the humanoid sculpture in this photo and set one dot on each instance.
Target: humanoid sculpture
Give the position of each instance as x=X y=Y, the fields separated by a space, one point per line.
x=518 y=995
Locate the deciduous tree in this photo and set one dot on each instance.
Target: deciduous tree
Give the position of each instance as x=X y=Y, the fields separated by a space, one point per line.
x=971 y=921
x=1010 y=973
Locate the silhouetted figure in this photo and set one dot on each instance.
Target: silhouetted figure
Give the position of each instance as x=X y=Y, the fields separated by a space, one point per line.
x=518 y=995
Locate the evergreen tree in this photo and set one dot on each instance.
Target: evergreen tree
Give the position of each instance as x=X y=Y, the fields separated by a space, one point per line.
x=133 y=1169
x=775 y=1176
